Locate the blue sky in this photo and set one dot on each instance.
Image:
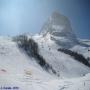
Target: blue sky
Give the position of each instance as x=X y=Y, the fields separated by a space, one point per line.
x=20 y=16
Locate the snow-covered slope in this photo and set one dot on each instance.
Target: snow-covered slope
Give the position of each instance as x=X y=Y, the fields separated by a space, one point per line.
x=17 y=69
x=83 y=48
x=13 y=61
x=65 y=65
x=20 y=71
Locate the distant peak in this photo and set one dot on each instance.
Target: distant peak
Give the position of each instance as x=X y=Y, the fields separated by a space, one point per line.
x=59 y=27
x=57 y=22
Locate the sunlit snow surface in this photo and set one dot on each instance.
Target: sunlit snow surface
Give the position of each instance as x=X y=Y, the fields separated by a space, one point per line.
x=31 y=83
x=20 y=71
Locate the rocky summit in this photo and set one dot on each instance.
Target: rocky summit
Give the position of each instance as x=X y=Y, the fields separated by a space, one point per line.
x=59 y=27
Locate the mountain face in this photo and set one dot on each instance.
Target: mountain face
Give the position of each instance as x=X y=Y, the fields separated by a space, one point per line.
x=28 y=62
x=60 y=29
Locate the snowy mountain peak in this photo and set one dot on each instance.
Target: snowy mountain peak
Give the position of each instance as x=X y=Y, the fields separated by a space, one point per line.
x=60 y=29
x=57 y=22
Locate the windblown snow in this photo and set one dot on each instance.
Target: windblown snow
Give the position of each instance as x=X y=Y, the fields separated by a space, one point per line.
x=19 y=70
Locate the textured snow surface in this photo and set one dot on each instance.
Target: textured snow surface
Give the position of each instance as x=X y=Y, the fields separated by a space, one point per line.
x=64 y=64
x=19 y=70
x=31 y=83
